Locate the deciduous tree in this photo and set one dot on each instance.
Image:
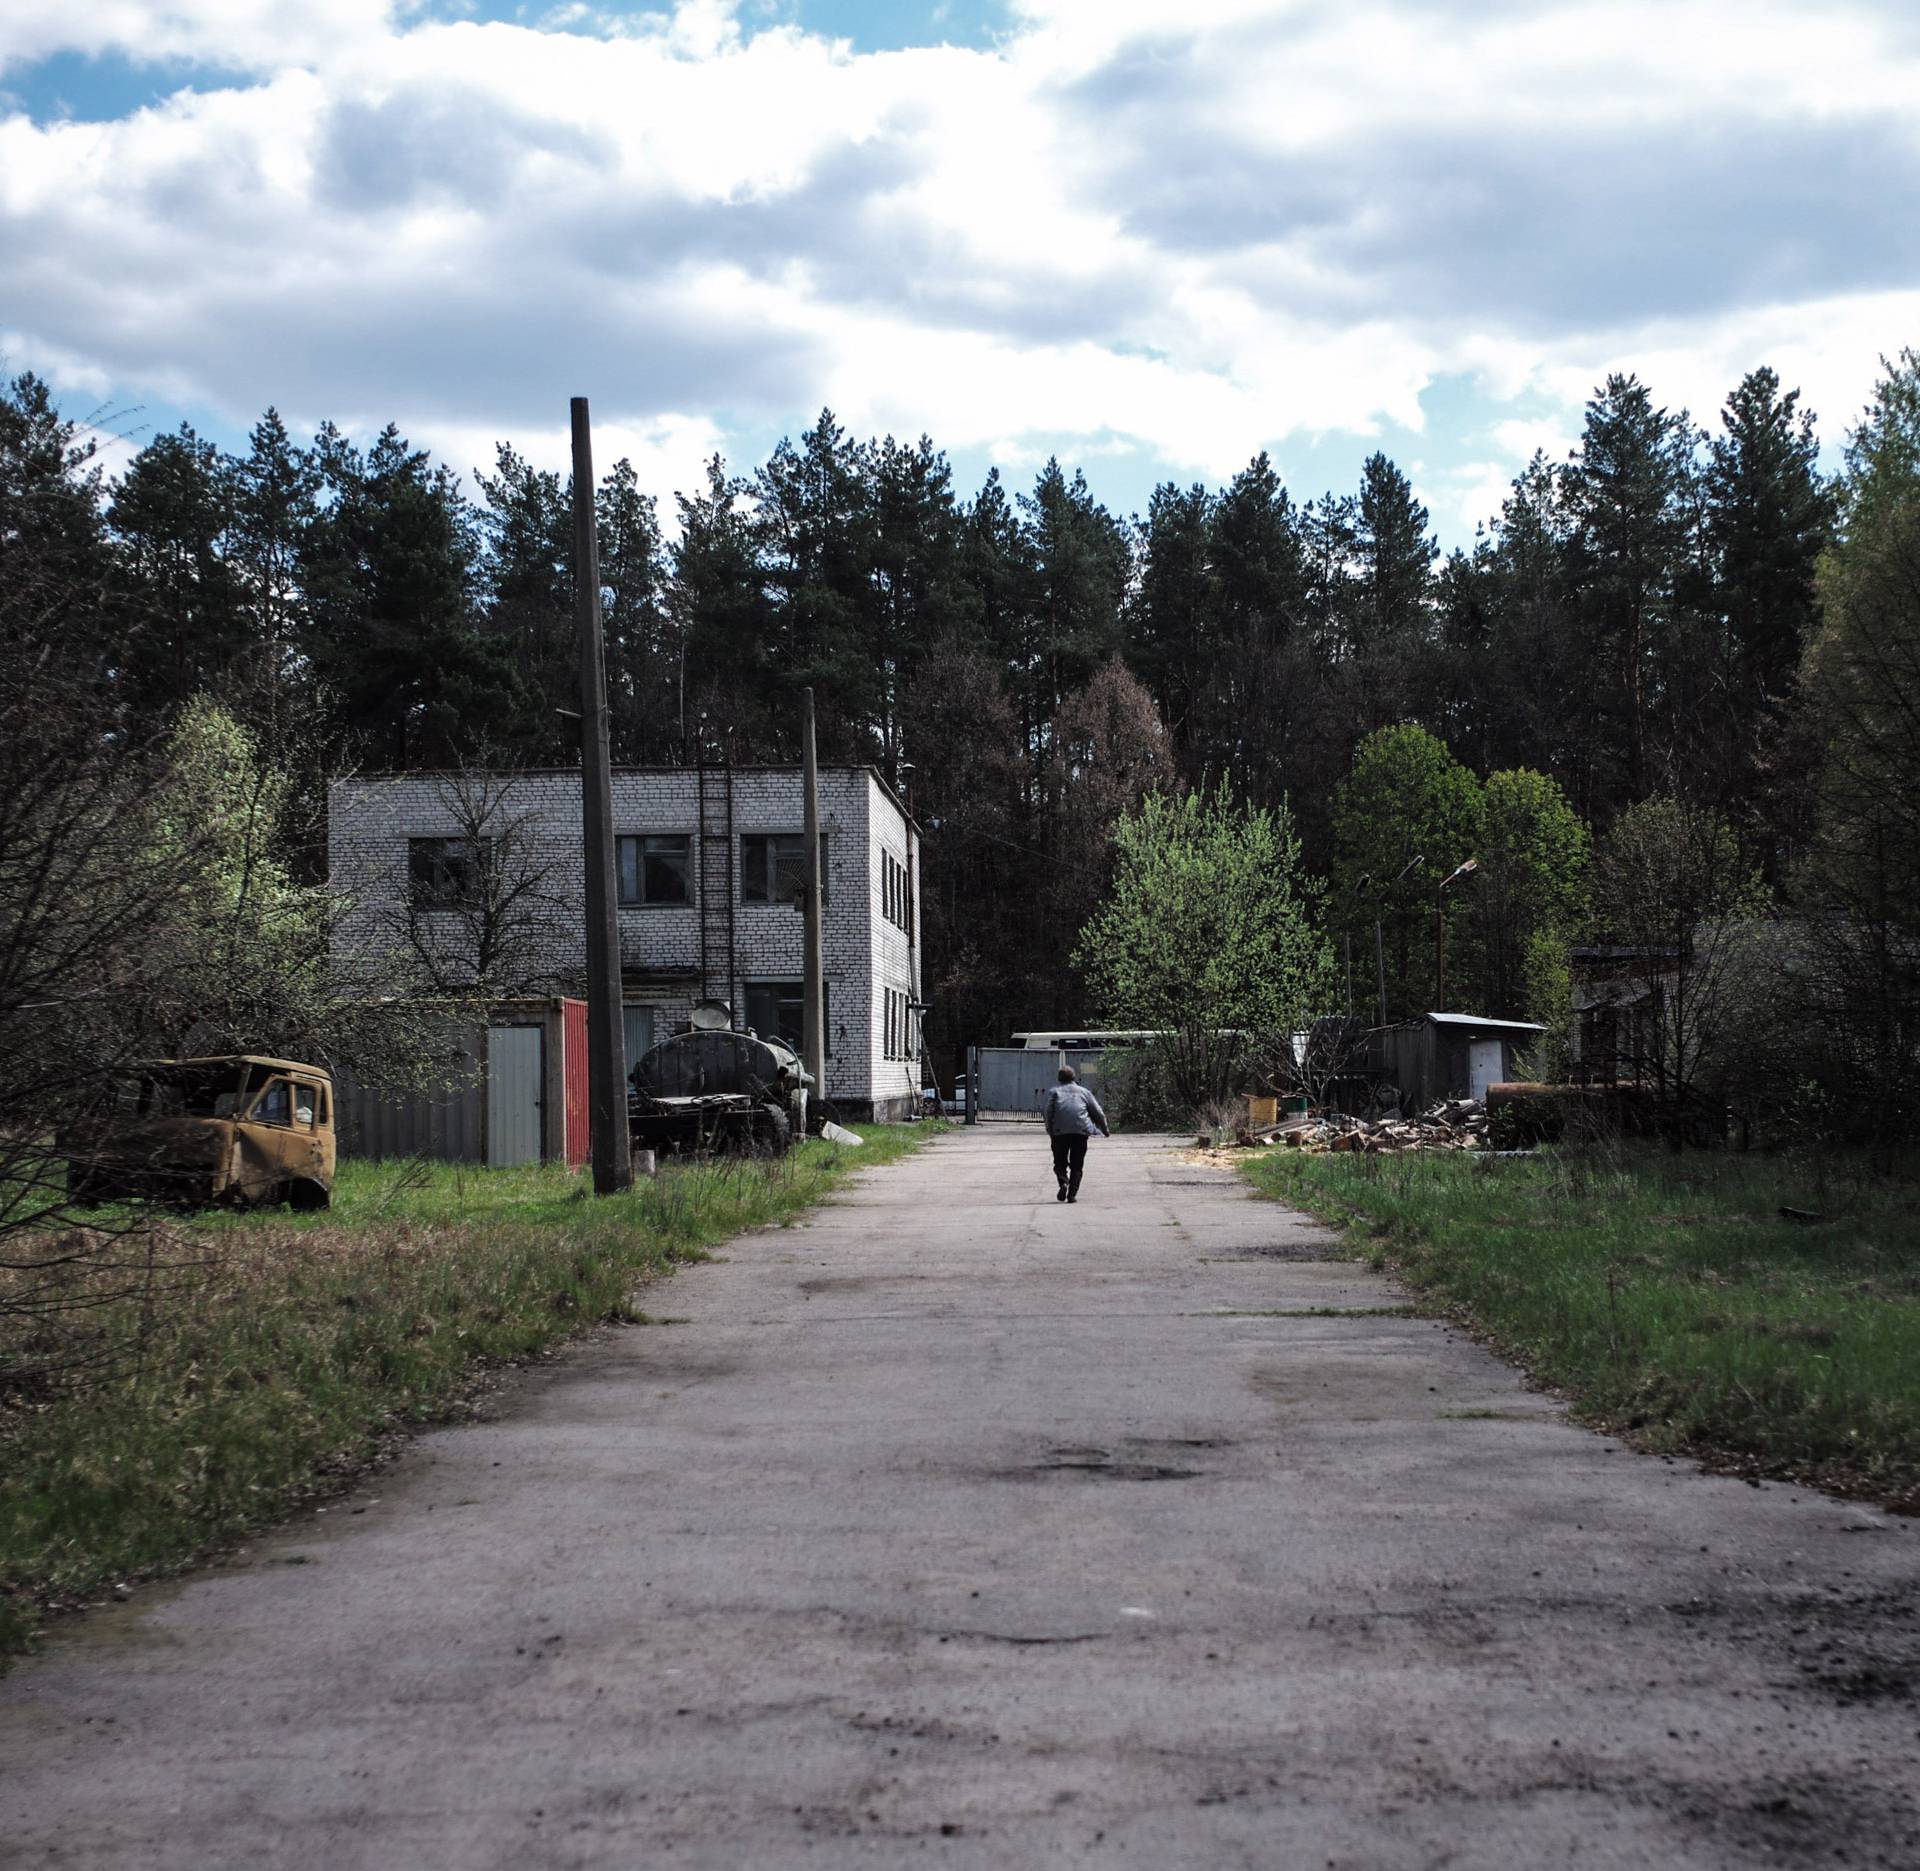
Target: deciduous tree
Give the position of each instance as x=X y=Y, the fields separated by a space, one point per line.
x=1211 y=935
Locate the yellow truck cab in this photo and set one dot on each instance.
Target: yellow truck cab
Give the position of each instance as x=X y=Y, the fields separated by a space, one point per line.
x=238 y=1128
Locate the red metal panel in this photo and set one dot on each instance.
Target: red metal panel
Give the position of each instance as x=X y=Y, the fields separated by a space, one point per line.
x=573 y=1044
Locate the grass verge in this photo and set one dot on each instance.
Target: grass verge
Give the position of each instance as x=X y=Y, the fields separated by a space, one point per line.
x=1667 y=1297
x=281 y=1351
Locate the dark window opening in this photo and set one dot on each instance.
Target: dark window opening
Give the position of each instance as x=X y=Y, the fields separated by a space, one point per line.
x=182 y=1092
x=447 y=873
x=777 y=1010
x=773 y=867
x=655 y=869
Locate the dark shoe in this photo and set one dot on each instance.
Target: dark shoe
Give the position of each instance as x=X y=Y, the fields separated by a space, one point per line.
x=1061 y=1195
x=1073 y=1198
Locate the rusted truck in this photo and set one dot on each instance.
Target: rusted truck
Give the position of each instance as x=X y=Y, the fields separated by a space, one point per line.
x=717 y=1089
x=238 y=1129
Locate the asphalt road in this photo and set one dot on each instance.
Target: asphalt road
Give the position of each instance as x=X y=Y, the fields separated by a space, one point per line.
x=956 y=1526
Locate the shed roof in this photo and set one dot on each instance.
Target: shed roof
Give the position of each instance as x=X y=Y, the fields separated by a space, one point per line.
x=1480 y=1023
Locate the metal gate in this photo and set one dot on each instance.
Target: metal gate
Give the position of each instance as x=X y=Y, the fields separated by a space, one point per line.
x=1013 y=1081
x=516 y=1058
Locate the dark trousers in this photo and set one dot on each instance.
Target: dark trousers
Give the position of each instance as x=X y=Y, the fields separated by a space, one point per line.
x=1069 y=1161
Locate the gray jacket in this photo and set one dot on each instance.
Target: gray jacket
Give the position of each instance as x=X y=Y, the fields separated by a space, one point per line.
x=1073 y=1111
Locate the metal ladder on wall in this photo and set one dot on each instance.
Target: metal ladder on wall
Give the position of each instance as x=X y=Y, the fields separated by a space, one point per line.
x=716 y=881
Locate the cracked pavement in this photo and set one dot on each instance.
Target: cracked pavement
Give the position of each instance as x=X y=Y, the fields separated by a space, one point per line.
x=954 y=1525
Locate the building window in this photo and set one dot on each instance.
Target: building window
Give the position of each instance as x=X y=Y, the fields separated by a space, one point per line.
x=447 y=873
x=777 y=1010
x=655 y=870
x=893 y=890
x=638 y=1026
x=896 y=1024
x=773 y=867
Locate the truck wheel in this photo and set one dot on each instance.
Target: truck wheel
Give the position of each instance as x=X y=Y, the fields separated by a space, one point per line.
x=308 y=1194
x=772 y=1131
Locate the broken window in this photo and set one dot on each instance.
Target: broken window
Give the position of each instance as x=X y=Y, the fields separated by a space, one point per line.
x=773 y=867
x=178 y=1091
x=655 y=869
x=447 y=873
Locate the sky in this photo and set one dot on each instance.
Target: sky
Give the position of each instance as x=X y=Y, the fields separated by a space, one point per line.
x=1153 y=237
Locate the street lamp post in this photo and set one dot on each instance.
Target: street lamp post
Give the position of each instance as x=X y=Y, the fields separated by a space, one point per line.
x=1362 y=885
x=1379 y=941
x=1440 y=933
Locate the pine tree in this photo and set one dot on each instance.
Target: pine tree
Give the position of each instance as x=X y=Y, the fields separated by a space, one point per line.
x=645 y=668
x=275 y=503
x=1254 y=696
x=389 y=573
x=818 y=523
x=914 y=575
x=996 y=577
x=1081 y=564
x=1541 y=675
x=1769 y=518
x=1628 y=491
x=724 y=620
x=1173 y=622
x=172 y=516
x=525 y=526
x=49 y=497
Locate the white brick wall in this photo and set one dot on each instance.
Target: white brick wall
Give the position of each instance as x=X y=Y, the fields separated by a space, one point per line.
x=371 y=820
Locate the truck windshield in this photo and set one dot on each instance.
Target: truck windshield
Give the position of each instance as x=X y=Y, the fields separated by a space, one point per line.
x=195 y=1092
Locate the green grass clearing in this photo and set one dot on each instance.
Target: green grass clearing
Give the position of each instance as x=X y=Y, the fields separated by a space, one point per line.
x=1665 y=1295
x=279 y=1350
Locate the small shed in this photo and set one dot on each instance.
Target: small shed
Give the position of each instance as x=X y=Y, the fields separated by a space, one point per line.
x=1446 y=1055
x=514 y=1090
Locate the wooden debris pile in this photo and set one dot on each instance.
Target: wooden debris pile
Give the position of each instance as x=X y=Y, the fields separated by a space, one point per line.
x=1452 y=1124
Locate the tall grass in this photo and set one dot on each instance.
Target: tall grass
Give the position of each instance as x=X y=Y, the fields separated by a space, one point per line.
x=1668 y=1296
x=289 y=1345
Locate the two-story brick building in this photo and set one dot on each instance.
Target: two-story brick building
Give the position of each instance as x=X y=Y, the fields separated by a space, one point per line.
x=479 y=878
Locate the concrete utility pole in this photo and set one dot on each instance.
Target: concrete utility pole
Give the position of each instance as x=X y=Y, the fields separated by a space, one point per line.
x=813 y=1030
x=610 y=1141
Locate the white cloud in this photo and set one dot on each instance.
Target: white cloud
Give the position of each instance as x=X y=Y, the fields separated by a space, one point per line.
x=1184 y=231
x=669 y=453
x=247 y=35
x=1520 y=438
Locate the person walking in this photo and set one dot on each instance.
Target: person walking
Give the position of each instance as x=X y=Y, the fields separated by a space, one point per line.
x=1073 y=1115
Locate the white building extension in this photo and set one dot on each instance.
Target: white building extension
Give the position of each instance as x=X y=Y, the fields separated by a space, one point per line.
x=474 y=883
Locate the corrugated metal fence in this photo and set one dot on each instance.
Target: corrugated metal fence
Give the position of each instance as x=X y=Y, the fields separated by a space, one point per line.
x=447 y=1125
x=1013 y=1081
